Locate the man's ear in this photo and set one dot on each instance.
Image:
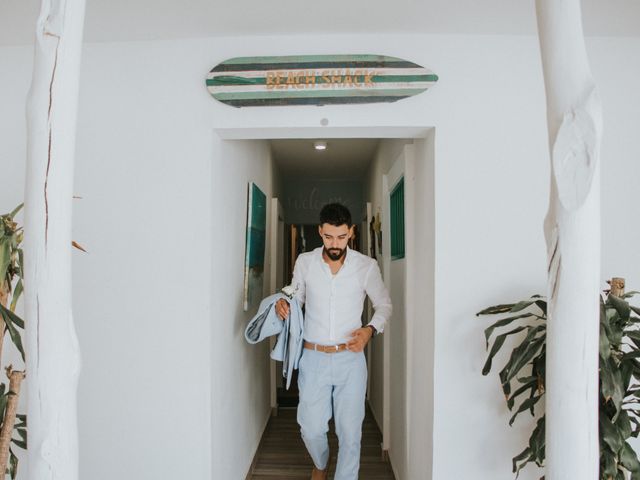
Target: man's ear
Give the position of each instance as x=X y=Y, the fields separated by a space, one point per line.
x=352 y=230
x=320 y=230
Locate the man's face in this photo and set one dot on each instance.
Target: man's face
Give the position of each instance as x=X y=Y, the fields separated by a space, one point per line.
x=335 y=239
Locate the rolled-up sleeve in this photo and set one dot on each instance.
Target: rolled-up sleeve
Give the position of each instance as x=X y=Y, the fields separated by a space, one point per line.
x=298 y=282
x=379 y=296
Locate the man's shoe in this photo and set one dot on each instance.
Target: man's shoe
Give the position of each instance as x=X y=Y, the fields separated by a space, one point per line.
x=320 y=474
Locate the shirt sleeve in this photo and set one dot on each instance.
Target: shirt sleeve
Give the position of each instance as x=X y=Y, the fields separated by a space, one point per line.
x=377 y=292
x=298 y=280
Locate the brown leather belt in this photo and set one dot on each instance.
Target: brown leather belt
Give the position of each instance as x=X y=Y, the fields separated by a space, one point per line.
x=325 y=348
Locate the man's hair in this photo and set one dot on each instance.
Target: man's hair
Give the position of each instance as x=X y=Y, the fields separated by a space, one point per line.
x=335 y=214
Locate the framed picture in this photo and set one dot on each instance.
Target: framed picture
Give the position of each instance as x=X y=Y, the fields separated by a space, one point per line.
x=255 y=246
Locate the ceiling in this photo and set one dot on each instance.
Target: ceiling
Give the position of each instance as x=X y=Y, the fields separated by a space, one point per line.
x=345 y=158
x=123 y=20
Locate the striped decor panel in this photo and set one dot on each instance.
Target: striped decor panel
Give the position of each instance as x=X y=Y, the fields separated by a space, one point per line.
x=316 y=80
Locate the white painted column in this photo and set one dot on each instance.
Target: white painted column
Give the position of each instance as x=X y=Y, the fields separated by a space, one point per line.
x=572 y=230
x=53 y=358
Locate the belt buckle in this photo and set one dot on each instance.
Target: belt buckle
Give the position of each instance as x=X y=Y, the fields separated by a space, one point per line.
x=337 y=347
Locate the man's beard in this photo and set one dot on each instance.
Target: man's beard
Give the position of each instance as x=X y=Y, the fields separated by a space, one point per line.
x=335 y=254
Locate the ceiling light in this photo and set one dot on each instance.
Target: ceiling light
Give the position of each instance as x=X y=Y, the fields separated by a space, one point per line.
x=320 y=145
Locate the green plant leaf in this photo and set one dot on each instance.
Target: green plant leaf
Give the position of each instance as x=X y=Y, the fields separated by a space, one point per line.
x=535 y=451
x=522 y=354
x=13 y=318
x=20 y=443
x=518 y=458
x=4 y=398
x=608 y=463
x=496 y=309
x=630 y=355
x=542 y=305
x=15 y=211
x=623 y=424
x=13 y=465
x=532 y=383
x=621 y=306
x=539 y=442
x=611 y=383
x=629 y=459
x=605 y=346
x=10 y=319
x=525 y=405
x=497 y=344
x=5 y=256
x=522 y=305
x=20 y=262
x=610 y=434
x=626 y=371
x=16 y=295
x=501 y=323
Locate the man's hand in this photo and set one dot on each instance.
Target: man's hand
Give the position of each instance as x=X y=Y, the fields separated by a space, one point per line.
x=282 y=308
x=359 y=339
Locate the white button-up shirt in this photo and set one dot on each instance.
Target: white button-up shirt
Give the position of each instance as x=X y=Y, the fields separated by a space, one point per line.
x=334 y=303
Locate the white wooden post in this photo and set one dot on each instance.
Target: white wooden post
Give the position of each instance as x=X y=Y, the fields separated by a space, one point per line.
x=53 y=358
x=572 y=230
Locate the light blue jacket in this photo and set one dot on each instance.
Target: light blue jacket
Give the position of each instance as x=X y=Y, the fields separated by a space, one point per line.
x=266 y=323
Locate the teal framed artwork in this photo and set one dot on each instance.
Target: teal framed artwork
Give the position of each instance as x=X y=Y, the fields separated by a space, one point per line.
x=397 y=220
x=255 y=246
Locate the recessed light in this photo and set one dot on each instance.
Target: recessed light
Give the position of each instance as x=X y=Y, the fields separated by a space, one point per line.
x=320 y=145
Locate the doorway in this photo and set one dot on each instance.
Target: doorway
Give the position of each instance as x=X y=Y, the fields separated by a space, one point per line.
x=396 y=411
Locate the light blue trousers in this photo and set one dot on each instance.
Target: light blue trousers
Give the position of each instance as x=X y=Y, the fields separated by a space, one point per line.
x=332 y=383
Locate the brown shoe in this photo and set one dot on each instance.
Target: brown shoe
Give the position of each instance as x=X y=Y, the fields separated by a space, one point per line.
x=320 y=474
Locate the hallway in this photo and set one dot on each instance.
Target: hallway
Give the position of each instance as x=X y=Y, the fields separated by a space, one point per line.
x=282 y=455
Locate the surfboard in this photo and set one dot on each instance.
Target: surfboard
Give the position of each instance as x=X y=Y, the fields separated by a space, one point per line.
x=316 y=80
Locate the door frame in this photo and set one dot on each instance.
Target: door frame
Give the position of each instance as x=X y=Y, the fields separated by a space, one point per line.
x=277 y=242
x=326 y=132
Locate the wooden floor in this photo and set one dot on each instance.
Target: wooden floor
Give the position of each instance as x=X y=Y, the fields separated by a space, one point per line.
x=282 y=455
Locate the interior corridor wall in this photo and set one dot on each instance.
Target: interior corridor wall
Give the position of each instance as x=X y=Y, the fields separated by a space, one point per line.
x=412 y=342
x=386 y=153
x=240 y=372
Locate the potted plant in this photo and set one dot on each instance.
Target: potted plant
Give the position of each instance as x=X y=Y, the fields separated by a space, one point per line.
x=523 y=376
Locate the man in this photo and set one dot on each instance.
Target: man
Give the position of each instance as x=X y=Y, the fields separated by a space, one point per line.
x=332 y=282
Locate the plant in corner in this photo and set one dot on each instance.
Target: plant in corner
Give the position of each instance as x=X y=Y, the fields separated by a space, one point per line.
x=11 y=262
x=523 y=376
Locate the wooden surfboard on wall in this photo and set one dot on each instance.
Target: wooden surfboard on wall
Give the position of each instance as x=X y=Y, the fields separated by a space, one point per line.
x=316 y=80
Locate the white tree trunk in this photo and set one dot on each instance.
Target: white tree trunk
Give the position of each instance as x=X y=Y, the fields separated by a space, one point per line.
x=53 y=358
x=572 y=230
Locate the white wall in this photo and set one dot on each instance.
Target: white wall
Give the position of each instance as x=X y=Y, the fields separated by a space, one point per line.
x=421 y=341
x=144 y=296
x=142 y=293
x=398 y=371
x=411 y=329
x=240 y=372
x=386 y=153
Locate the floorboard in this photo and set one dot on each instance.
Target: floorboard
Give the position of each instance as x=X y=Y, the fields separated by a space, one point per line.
x=282 y=455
